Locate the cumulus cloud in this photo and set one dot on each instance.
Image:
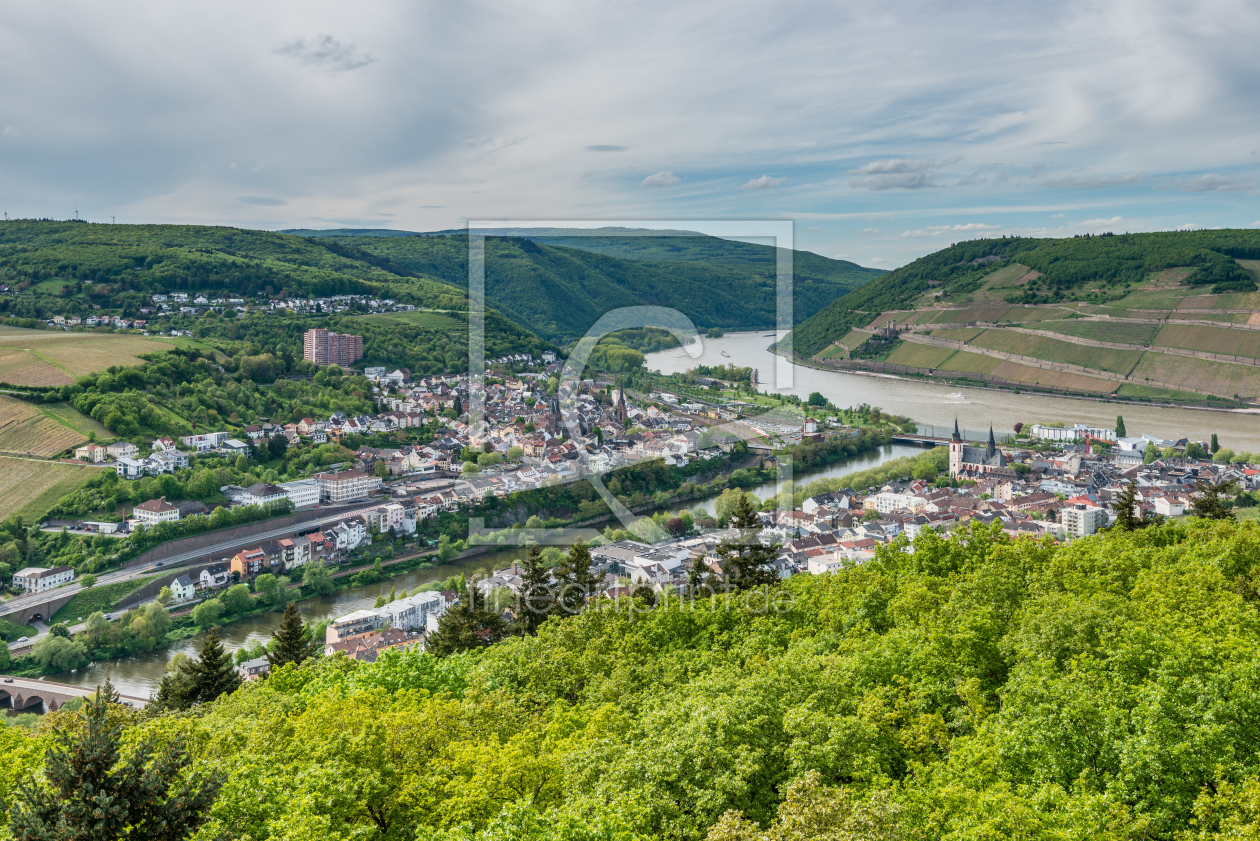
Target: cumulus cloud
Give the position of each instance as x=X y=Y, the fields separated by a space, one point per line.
x=1057 y=215
x=894 y=174
x=661 y=179
x=1189 y=226
x=765 y=182
x=261 y=201
x=605 y=147
x=324 y=52
x=1100 y=223
x=1212 y=183
x=869 y=232
x=963 y=228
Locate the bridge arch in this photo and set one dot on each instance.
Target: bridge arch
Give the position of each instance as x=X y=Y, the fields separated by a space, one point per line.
x=20 y=700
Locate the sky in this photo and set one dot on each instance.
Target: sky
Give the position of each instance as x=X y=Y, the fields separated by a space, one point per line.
x=882 y=130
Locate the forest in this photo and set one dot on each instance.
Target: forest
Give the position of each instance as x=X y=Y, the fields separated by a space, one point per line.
x=980 y=687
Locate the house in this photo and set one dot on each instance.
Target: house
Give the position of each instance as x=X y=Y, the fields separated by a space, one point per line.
x=130 y=468
x=261 y=493
x=215 y=575
x=94 y=453
x=250 y=562
x=155 y=511
x=39 y=579
x=303 y=493
x=254 y=669
x=367 y=647
x=206 y=441
x=294 y=551
x=163 y=445
x=354 y=624
x=183 y=588
x=348 y=534
x=346 y=486
x=234 y=447
x=1081 y=519
x=122 y=449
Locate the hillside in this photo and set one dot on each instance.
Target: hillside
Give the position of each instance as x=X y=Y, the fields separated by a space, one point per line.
x=559 y=285
x=973 y=689
x=1162 y=316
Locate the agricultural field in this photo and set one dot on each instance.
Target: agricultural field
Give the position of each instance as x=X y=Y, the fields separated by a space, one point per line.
x=76 y=420
x=1210 y=339
x=962 y=334
x=1228 y=301
x=30 y=487
x=1135 y=390
x=854 y=339
x=834 y=351
x=1022 y=314
x=1104 y=331
x=56 y=357
x=919 y=356
x=1201 y=375
x=1054 y=350
x=1060 y=379
x=971 y=314
x=971 y=363
x=424 y=320
x=25 y=430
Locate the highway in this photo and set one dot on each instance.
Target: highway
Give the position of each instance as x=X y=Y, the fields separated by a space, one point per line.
x=181 y=560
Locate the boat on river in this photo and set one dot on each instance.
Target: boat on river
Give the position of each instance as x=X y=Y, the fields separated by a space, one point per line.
x=957 y=395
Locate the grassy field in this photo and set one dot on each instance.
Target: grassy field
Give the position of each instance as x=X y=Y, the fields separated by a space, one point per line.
x=1210 y=339
x=424 y=320
x=962 y=334
x=102 y=598
x=854 y=339
x=76 y=420
x=1054 y=350
x=56 y=357
x=997 y=283
x=1230 y=301
x=919 y=356
x=25 y=430
x=1104 y=331
x=30 y=487
x=1200 y=375
x=971 y=363
x=971 y=314
x=1060 y=379
x=1031 y=314
x=834 y=351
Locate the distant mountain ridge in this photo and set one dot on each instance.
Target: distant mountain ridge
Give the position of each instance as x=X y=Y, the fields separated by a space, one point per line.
x=558 y=284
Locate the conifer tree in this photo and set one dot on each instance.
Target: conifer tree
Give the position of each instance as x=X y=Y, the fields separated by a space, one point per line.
x=92 y=793
x=1207 y=499
x=696 y=579
x=1120 y=430
x=1125 y=507
x=745 y=561
x=290 y=642
x=538 y=601
x=574 y=579
x=468 y=625
x=200 y=681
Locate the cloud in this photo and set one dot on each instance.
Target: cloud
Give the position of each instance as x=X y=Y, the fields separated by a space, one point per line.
x=10 y=131
x=963 y=228
x=1189 y=226
x=813 y=228
x=1097 y=182
x=869 y=232
x=765 y=182
x=605 y=147
x=661 y=179
x=324 y=52
x=894 y=174
x=261 y=201
x=1212 y=183
x=1100 y=223
x=1057 y=215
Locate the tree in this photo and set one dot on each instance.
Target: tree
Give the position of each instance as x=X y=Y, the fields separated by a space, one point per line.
x=538 y=601
x=1125 y=506
x=1215 y=445
x=1208 y=502
x=574 y=580
x=159 y=619
x=241 y=464
x=88 y=581
x=645 y=593
x=236 y=599
x=60 y=630
x=291 y=642
x=207 y=613
x=467 y=626
x=90 y=792
x=1120 y=430
x=816 y=400
x=58 y=654
x=470 y=468
x=1195 y=450
x=267 y=585
x=726 y=503
x=745 y=561
x=1151 y=453
x=676 y=526
x=381 y=470
x=317 y=577
x=276 y=446
x=192 y=682
x=165 y=595
x=458 y=406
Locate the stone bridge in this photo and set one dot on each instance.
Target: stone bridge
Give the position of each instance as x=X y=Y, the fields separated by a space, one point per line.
x=25 y=693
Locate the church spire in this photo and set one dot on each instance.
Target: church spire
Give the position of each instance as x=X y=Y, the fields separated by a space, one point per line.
x=956 y=437
x=992 y=444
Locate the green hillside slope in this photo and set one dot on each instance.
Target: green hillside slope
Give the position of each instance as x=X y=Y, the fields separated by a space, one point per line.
x=559 y=285
x=1162 y=315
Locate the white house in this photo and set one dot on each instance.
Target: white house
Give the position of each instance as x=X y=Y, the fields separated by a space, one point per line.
x=155 y=511
x=129 y=468
x=261 y=493
x=303 y=493
x=215 y=575
x=183 y=588
x=205 y=441
x=122 y=449
x=39 y=579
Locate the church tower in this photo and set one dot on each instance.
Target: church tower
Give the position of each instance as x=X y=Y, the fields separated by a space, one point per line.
x=955 y=452
x=620 y=411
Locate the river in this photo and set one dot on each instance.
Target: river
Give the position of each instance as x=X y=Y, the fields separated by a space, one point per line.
x=929 y=403
x=140 y=675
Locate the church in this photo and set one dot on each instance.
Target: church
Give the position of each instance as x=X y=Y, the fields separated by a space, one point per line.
x=973 y=461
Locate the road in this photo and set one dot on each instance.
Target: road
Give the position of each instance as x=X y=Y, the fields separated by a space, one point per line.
x=180 y=560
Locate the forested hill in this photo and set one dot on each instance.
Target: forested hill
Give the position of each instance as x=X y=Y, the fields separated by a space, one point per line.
x=559 y=285
x=1091 y=270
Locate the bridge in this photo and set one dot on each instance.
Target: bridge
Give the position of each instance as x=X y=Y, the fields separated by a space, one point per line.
x=25 y=693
